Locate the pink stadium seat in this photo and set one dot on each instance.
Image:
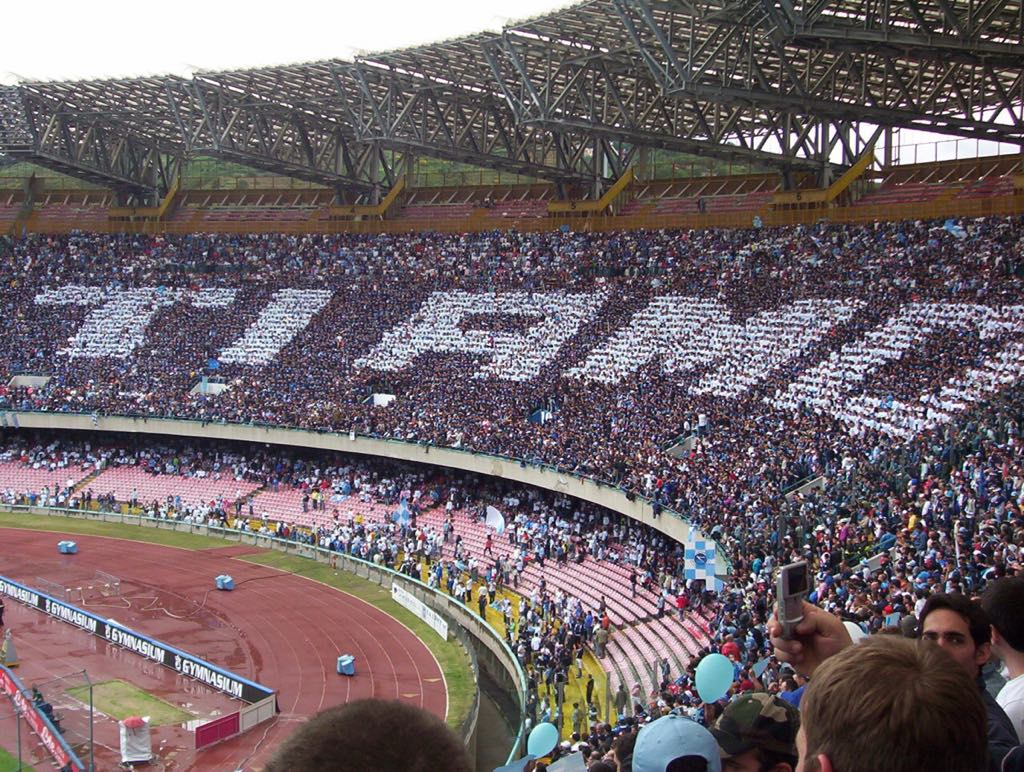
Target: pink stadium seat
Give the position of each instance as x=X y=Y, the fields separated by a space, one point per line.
x=122 y=481
x=24 y=479
x=445 y=211
x=989 y=187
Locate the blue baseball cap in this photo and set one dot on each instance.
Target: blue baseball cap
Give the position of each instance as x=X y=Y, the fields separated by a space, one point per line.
x=671 y=737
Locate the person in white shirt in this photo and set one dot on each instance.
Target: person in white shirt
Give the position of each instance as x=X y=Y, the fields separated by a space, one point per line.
x=1004 y=602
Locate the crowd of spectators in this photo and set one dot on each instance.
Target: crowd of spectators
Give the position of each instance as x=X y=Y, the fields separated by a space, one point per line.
x=931 y=486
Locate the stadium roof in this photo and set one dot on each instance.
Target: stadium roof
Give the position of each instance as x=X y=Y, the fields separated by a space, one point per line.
x=572 y=96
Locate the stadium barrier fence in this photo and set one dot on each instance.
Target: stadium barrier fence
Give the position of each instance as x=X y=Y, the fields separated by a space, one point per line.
x=257 y=713
x=218 y=729
x=238 y=722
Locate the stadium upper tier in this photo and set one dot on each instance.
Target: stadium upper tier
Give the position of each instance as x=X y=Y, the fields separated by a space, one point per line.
x=575 y=97
x=768 y=344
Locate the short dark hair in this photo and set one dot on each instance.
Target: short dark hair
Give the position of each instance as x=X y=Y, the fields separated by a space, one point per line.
x=623 y=746
x=1003 y=601
x=360 y=737
x=769 y=759
x=888 y=705
x=972 y=613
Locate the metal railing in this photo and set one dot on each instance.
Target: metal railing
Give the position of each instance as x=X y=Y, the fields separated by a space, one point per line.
x=949 y=149
x=240 y=182
x=861 y=213
x=467 y=179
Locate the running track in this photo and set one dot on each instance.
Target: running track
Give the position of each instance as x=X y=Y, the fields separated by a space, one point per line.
x=290 y=630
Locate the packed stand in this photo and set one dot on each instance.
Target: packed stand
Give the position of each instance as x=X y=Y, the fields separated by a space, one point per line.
x=876 y=315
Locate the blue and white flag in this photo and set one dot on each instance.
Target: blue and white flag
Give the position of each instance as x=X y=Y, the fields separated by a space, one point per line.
x=495 y=520
x=402 y=516
x=956 y=230
x=699 y=557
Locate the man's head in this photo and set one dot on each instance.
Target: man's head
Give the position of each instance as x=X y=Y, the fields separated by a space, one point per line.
x=757 y=733
x=1003 y=601
x=960 y=627
x=675 y=744
x=888 y=705
x=360 y=737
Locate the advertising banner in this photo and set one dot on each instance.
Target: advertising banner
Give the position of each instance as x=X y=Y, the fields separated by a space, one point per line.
x=168 y=656
x=40 y=724
x=419 y=608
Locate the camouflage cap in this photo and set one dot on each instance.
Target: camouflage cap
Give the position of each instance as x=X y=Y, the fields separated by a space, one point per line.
x=757 y=720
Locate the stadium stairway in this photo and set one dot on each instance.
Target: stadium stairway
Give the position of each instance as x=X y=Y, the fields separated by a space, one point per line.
x=640 y=639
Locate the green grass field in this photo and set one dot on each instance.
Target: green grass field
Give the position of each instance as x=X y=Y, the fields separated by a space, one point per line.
x=9 y=763
x=120 y=699
x=130 y=531
x=454 y=661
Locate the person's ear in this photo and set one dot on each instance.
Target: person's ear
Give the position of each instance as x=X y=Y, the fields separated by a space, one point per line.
x=982 y=654
x=997 y=639
x=824 y=764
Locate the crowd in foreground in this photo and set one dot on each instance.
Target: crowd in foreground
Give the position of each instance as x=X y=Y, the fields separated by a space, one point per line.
x=885 y=703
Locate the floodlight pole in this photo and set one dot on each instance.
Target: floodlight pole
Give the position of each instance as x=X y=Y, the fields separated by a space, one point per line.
x=92 y=760
x=17 y=723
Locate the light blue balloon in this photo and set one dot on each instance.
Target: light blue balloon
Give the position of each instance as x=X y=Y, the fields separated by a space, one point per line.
x=543 y=739
x=714 y=677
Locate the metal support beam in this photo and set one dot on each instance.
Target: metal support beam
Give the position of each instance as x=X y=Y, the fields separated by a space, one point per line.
x=90 y=146
x=440 y=120
x=250 y=129
x=747 y=64
x=573 y=97
x=620 y=102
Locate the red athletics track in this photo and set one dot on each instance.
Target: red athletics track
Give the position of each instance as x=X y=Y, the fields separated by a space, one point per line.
x=275 y=628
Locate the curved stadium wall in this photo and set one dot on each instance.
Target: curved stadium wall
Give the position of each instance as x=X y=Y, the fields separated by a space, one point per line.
x=490 y=651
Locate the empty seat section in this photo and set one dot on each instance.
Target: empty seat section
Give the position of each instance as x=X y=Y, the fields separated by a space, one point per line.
x=125 y=481
x=22 y=479
x=441 y=211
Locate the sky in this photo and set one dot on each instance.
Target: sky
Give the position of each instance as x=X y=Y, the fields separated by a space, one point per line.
x=116 y=38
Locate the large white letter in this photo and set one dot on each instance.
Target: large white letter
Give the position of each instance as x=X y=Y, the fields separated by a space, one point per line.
x=516 y=356
x=831 y=386
x=690 y=333
x=288 y=313
x=118 y=326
